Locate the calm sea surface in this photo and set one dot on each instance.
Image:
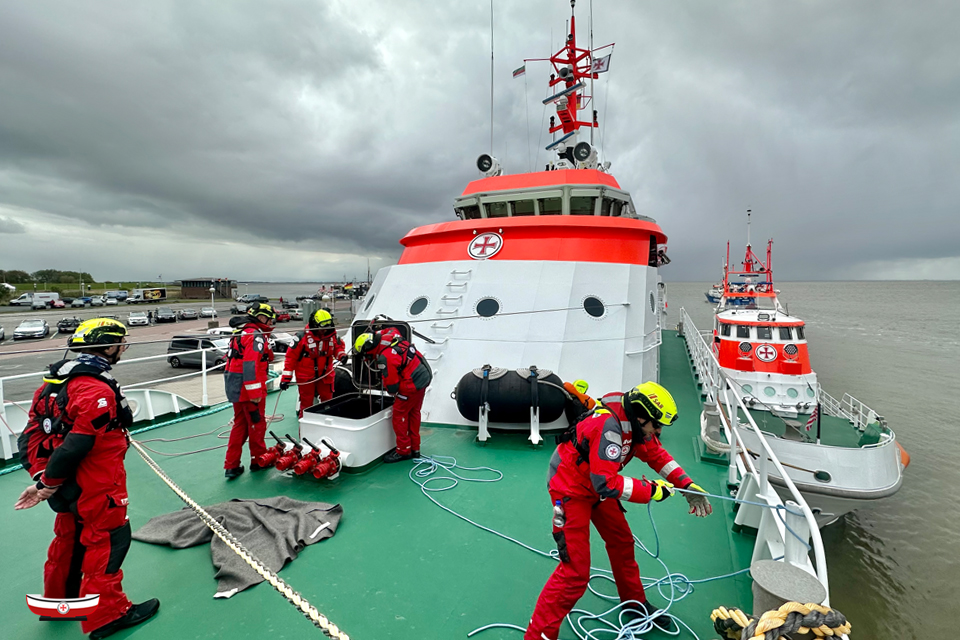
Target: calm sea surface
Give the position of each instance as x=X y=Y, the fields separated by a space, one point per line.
x=894 y=566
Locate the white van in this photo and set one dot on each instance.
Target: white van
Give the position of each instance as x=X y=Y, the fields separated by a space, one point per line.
x=32 y=299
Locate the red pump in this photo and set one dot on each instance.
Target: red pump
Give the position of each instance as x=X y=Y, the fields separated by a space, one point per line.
x=307 y=462
x=270 y=457
x=328 y=467
x=291 y=457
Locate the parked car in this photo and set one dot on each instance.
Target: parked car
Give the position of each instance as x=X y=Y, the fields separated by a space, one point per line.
x=216 y=355
x=58 y=304
x=31 y=329
x=38 y=304
x=297 y=314
x=68 y=325
x=96 y=301
x=280 y=341
x=2 y=336
x=164 y=314
x=188 y=314
x=283 y=316
x=220 y=331
x=208 y=312
x=111 y=302
x=138 y=318
x=77 y=303
x=289 y=304
x=237 y=309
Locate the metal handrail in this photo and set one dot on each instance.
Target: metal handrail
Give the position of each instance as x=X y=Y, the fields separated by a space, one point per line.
x=728 y=388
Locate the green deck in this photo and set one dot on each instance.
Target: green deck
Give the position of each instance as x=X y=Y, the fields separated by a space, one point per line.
x=398 y=567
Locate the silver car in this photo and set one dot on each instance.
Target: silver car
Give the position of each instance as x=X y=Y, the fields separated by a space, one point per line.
x=178 y=353
x=31 y=329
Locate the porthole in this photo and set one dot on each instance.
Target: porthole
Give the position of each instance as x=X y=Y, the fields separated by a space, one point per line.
x=747 y=388
x=366 y=307
x=810 y=392
x=594 y=306
x=769 y=391
x=653 y=303
x=418 y=306
x=793 y=393
x=488 y=307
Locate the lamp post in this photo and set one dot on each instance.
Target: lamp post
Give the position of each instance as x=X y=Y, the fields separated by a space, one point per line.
x=213 y=290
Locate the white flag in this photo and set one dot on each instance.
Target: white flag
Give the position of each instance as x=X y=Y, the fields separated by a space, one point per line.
x=600 y=65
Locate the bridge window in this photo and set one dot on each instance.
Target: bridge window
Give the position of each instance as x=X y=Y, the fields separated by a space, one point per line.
x=800 y=333
x=616 y=208
x=470 y=212
x=582 y=205
x=497 y=209
x=523 y=208
x=725 y=329
x=743 y=331
x=786 y=333
x=550 y=206
x=765 y=333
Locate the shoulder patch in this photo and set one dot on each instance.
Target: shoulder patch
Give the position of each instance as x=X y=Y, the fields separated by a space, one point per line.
x=611 y=452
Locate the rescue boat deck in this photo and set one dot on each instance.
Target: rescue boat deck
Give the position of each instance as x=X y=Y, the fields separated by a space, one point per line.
x=398 y=567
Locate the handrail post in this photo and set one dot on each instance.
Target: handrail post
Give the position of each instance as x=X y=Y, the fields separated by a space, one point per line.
x=795 y=546
x=205 y=401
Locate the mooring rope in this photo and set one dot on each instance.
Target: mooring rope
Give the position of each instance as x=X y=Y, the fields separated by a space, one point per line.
x=790 y=618
x=308 y=610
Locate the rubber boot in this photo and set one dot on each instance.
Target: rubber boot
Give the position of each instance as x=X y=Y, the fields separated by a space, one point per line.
x=135 y=615
x=396 y=456
x=230 y=474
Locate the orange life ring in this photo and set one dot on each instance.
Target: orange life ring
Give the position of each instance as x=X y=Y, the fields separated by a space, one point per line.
x=904 y=456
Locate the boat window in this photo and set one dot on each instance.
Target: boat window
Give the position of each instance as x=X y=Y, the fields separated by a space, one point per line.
x=743 y=331
x=769 y=391
x=488 y=307
x=471 y=212
x=800 y=333
x=497 y=209
x=810 y=392
x=593 y=306
x=786 y=333
x=418 y=306
x=725 y=329
x=764 y=333
x=746 y=388
x=793 y=393
x=616 y=206
x=605 y=206
x=366 y=307
x=523 y=208
x=550 y=206
x=582 y=205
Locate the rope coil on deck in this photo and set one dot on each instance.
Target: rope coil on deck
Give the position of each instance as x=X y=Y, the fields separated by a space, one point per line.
x=792 y=617
x=309 y=611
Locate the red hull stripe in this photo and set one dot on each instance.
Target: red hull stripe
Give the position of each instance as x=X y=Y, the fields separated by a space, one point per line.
x=580 y=177
x=563 y=238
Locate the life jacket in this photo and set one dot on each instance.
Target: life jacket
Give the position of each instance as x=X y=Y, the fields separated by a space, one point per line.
x=570 y=433
x=235 y=352
x=50 y=424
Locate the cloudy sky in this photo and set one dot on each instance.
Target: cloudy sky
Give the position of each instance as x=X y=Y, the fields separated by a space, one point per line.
x=295 y=140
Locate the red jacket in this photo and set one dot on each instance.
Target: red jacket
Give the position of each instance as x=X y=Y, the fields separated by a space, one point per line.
x=403 y=368
x=608 y=440
x=92 y=452
x=245 y=376
x=312 y=356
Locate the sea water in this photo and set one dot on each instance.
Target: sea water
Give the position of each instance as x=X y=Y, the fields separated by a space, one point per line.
x=894 y=565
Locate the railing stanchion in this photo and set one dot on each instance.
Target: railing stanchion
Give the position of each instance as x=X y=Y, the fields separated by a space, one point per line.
x=203 y=376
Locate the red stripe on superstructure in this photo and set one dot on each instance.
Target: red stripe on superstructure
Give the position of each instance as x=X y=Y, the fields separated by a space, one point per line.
x=560 y=238
x=766 y=323
x=545 y=179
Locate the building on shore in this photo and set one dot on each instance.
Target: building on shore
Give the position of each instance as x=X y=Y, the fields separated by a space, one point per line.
x=199 y=288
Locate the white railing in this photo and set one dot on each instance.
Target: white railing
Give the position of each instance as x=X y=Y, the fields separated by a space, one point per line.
x=856 y=412
x=648 y=344
x=776 y=536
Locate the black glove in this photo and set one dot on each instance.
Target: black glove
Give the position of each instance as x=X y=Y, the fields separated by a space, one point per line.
x=343 y=359
x=284 y=385
x=255 y=416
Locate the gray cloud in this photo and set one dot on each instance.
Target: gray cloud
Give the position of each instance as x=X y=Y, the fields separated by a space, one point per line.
x=335 y=127
x=11 y=226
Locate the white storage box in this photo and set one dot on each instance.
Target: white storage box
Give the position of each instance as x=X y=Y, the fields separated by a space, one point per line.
x=360 y=425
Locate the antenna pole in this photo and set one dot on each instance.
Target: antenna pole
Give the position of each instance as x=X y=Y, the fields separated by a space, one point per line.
x=592 y=128
x=748 y=227
x=491 y=77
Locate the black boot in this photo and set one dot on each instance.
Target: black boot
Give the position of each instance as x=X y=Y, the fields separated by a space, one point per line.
x=230 y=474
x=396 y=456
x=135 y=615
x=659 y=619
x=416 y=453
x=254 y=467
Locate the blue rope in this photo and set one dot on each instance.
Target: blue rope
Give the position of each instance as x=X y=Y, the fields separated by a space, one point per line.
x=629 y=625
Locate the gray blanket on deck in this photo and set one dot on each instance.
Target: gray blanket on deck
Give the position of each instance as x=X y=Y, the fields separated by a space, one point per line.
x=274 y=530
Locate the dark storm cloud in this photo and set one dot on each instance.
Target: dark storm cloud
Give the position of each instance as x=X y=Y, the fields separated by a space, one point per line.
x=336 y=127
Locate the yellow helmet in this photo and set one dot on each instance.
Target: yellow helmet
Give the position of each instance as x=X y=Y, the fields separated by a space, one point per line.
x=364 y=343
x=650 y=399
x=98 y=332
x=261 y=309
x=581 y=386
x=321 y=319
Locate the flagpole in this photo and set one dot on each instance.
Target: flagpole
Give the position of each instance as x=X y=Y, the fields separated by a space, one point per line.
x=592 y=99
x=818 y=423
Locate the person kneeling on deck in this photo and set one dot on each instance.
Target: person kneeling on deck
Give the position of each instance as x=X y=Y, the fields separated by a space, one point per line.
x=585 y=485
x=311 y=358
x=74 y=444
x=245 y=379
x=406 y=374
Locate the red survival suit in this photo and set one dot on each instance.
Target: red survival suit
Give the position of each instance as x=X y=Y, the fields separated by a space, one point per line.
x=83 y=456
x=585 y=476
x=407 y=375
x=311 y=358
x=245 y=379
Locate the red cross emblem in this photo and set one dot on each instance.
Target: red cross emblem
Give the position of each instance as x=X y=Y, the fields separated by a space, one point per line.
x=63 y=608
x=766 y=353
x=485 y=245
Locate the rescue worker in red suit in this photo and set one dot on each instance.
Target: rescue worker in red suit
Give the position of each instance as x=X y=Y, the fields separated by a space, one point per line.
x=311 y=358
x=81 y=474
x=245 y=379
x=586 y=486
x=405 y=374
